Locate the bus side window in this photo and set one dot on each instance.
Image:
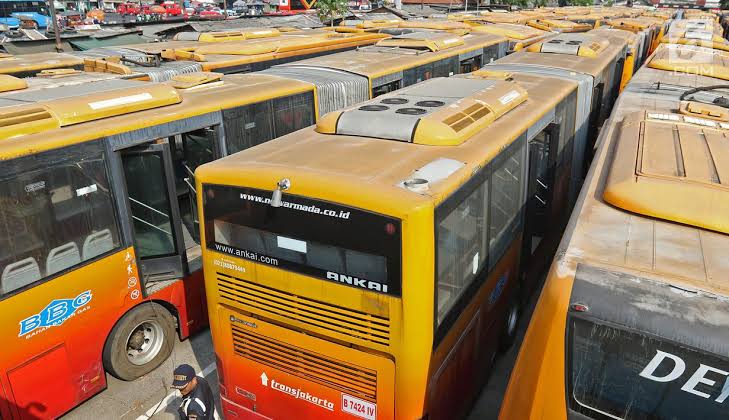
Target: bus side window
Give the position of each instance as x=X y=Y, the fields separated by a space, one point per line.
x=445 y=67
x=470 y=64
x=386 y=88
x=491 y=53
x=417 y=74
x=56 y=213
x=247 y=126
x=293 y=113
x=506 y=202
x=462 y=248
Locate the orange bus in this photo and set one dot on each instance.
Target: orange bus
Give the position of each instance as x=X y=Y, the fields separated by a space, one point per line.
x=632 y=317
x=631 y=321
x=371 y=267
x=100 y=265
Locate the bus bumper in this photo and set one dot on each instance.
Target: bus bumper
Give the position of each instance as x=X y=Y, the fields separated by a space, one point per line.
x=232 y=410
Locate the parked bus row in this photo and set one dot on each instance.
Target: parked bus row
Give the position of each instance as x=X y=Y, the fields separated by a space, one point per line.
x=375 y=265
x=101 y=216
x=102 y=233
x=631 y=323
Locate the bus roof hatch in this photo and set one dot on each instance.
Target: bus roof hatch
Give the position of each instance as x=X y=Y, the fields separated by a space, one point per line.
x=681 y=172
x=45 y=115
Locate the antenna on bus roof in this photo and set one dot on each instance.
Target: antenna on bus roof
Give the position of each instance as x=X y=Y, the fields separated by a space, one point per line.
x=281 y=185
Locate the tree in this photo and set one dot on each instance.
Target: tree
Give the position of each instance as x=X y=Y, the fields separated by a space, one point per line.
x=331 y=9
x=520 y=3
x=581 y=2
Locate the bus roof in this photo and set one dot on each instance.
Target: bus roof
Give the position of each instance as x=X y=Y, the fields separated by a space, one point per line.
x=598 y=53
x=656 y=239
x=402 y=52
x=217 y=55
x=511 y=31
x=690 y=59
x=209 y=51
x=27 y=64
x=352 y=167
x=61 y=116
x=53 y=78
x=559 y=25
x=491 y=17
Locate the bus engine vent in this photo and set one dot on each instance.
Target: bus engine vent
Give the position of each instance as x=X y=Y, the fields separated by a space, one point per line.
x=308 y=365
x=313 y=315
x=16 y=121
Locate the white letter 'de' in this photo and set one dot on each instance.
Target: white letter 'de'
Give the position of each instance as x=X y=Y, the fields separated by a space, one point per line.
x=699 y=378
x=678 y=367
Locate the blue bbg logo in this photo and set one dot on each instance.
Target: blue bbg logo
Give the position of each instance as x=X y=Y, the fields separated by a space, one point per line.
x=55 y=313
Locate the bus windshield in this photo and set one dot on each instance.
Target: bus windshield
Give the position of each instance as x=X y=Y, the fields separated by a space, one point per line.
x=9 y=7
x=621 y=374
x=312 y=237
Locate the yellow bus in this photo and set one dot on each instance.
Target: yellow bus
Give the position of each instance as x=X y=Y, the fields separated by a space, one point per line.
x=699 y=32
x=258 y=53
x=492 y=17
x=365 y=25
x=372 y=266
x=399 y=61
x=649 y=30
x=634 y=56
x=669 y=72
x=632 y=318
x=238 y=51
x=559 y=25
x=596 y=63
x=520 y=36
x=26 y=65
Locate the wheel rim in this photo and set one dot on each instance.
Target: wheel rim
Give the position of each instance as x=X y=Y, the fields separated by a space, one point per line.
x=145 y=342
x=512 y=320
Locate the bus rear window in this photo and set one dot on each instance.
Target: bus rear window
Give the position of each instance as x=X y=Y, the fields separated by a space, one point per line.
x=312 y=237
x=621 y=374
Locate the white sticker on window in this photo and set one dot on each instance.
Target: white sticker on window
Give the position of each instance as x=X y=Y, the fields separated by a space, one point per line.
x=250 y=125
x=86 y=190
x=36 y=186
x=291 y=244
x=475 y=264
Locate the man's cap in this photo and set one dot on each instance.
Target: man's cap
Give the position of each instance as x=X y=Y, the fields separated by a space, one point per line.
x=183 y=374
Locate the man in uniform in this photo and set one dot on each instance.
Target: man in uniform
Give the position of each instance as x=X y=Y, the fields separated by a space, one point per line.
x=197 y=398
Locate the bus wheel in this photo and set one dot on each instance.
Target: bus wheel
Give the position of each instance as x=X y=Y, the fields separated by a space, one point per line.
x=511 y=323
x=139 y=342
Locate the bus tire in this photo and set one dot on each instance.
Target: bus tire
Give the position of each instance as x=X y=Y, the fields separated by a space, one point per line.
x=139 y=342
x=511 y=324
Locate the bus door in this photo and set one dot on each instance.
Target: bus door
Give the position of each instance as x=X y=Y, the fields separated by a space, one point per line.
x=188 y=151
x=543 y=149
x=162 y=200
x=154 y=210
